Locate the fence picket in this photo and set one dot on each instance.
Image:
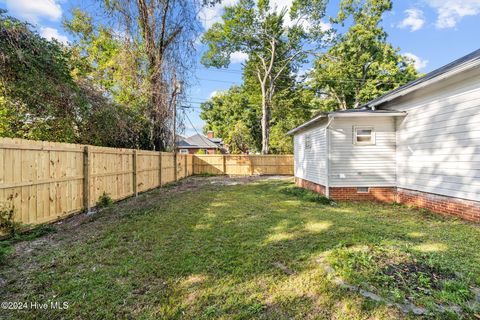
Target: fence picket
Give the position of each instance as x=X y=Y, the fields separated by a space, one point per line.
x=45 y=181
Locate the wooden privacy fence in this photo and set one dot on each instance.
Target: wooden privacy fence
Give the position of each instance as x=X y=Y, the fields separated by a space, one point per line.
x=45 y=181
x=243 y=164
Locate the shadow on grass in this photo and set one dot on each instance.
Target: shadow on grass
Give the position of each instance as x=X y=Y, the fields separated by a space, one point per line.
x=244 y=251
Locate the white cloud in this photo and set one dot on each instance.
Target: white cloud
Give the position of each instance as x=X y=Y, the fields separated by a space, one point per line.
x=212 y=14
x=418 y=62
x=325 y=26
x=34 y=10
x=214 y=93
x=51 y=33
x=414 y=19
x=450 y=12
x=238 y=57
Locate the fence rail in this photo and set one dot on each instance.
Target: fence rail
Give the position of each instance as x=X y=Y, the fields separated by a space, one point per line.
x=45 y=181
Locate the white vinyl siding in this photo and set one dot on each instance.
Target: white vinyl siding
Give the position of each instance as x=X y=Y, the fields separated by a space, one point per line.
x=438 y=143
x=310 y=164
x=353 y=165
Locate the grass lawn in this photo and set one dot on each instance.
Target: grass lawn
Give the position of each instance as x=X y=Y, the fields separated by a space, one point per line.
x=245 y=251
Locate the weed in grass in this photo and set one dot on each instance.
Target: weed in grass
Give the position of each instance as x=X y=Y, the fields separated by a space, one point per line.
x=307 y=195
x=104 y=201
x=205 y=174
x=8 y=226
x=5 y=250
x=400 y=276
x=37 y=232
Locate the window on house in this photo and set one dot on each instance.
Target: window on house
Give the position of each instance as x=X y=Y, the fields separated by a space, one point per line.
x=363 y=135
x=308 y=142
x=183 y=151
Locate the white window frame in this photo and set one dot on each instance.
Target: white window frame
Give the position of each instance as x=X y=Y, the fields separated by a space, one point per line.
x=363 y=143
x=183 y=151
x=308 y=142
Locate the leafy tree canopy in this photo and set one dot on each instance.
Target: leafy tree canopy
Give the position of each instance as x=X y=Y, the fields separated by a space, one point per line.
x=38 y=97
x=360 y=65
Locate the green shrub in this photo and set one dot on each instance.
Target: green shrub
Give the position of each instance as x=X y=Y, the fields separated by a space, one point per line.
x=308 y=195
x=7 y=224
x=104 y=200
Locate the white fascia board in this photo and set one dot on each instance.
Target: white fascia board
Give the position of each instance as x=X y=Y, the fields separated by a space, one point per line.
x=367 y=114
x=429 y=82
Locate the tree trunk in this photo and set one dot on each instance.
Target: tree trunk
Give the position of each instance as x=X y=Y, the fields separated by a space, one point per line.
x=265 y=125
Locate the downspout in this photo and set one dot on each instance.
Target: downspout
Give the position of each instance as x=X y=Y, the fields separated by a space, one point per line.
x=327 y=167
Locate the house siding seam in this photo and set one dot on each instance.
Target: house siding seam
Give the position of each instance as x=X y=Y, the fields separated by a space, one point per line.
x=465 y=209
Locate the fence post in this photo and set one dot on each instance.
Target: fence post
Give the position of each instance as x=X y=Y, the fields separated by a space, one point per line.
x=252 y=170
x=186 y=164
x=160 y=169
x=135 y=188
x=224 y=164
x=86 y=179
x=174 y=166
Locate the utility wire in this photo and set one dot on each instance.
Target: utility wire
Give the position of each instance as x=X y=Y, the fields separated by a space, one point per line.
x=201 y=135
x=283 y=77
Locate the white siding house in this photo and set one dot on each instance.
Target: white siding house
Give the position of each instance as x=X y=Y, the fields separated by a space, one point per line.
x=420 y=143
x=438 y=142
x=310 y=154
x=356 y=165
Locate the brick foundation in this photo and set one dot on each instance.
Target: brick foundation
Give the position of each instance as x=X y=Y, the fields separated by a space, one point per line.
x=318 y=188
x=383 y=194
x=466 y=209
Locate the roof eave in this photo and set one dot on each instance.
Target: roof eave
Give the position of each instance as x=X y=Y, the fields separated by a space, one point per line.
x=391 y=96
x=307 y=124
x=368 y=114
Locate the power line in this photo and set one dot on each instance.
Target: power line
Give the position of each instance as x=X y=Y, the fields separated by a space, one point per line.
x=201 y=135
x=345 y=80
x=282 y=77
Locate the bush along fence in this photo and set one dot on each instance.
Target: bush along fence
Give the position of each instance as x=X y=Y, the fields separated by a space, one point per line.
x=46 y=181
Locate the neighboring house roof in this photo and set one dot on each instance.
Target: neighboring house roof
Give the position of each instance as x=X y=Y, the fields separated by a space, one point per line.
x=197 y=141
x=347 y=113
x=216 y=140
x=469 y=61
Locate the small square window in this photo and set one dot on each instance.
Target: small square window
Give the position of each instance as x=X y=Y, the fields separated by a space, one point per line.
x=363 y=135
x=362 y=190
x=308 y=142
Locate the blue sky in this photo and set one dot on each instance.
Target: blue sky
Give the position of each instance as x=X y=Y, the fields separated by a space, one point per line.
x=433 y=32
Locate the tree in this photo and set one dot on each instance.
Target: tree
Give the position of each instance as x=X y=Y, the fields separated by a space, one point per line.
x=274 y=47
x=39 y=99
x=361 y=65
x=224 y=111
x=234 y=113
x=239 y=139
x=158 y=38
